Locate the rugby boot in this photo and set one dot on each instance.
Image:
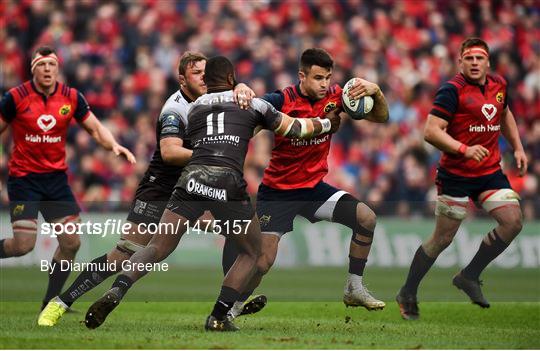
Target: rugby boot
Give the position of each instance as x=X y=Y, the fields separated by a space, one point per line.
x=226 y=325
x=356 y=294
x=98 y=312
x=408 y=306
x=52 y=312
x=471 y=288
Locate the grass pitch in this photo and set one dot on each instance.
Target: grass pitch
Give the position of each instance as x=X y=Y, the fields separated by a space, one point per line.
x=167 y=310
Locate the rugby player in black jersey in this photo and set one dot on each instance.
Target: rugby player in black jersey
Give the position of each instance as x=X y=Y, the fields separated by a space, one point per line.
x=173 y=151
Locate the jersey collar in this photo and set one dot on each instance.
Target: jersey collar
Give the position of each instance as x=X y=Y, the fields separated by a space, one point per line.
x=187 y=98
x=40 y=93
x=473 y=83
x=299 y=92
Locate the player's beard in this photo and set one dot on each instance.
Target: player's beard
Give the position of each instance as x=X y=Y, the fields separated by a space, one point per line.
x=194 y=91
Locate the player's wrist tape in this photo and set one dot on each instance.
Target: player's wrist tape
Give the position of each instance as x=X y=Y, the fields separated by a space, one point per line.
x=326 y=125
x=462 y=149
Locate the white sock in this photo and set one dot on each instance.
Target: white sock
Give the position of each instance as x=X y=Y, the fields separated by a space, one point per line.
x=62 y=303
x=355 y=279
x=237 y=308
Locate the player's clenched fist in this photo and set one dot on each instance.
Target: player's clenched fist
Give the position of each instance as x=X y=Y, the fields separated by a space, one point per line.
x=476 y=152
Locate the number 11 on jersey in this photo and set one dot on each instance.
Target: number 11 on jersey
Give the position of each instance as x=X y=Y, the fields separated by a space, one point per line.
x=220 y=123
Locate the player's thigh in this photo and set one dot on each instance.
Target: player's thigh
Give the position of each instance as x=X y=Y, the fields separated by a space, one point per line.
x=24 y=198
x=239 y=214
x=269 y=250
x=321 y=203
x=499 y=199
x=144 y=216
x=181 y=210
x=58 y=201
x=25 y=194
x=276 y=209
x=453 y=194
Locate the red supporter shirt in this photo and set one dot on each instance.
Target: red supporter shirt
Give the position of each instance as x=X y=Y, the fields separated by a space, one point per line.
x=297 y=163
x=39 y=126
x=474 y=115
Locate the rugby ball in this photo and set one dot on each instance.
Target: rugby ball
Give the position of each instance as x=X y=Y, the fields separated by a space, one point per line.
x=356 y=108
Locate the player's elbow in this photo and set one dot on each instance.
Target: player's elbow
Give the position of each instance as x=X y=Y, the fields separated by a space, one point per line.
x=429 y=135
x=167 y=156
x=170 y=156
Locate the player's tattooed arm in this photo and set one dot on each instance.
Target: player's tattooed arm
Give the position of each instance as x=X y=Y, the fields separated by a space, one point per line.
x=104 y=137
x=285 y=125
x=301 y=128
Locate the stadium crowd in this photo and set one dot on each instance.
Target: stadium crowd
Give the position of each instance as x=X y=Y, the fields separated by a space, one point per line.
x=123 y=57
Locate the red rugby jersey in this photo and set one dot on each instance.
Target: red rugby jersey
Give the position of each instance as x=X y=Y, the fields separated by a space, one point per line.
x=39 y=126
x=474 y=114
x=297 y=163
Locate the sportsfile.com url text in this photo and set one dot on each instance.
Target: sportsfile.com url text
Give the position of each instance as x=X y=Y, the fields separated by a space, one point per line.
x=119 y=227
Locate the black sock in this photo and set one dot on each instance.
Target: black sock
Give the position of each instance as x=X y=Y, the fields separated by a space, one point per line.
x=420 y=265
x=227 y=298
x=91 y=277
x=123 y=283
x=230 y=252
x=486 y=253
x=2 y=252
x=57 y=278
x=357 y=265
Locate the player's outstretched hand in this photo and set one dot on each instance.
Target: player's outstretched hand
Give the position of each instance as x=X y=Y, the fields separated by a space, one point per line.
x=362 y=87
x=335 y=120
x=476 y=152
x=521 y=162
x=120 y=150
x=242 y=95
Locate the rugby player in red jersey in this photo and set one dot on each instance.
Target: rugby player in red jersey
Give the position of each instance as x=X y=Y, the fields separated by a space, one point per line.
x=469 y=113
x=39 y=112
x=293 y=182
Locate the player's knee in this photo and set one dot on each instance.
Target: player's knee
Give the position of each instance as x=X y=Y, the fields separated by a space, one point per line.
x=70 y=244
x=514 y=223
x=366 y=217
x=253 y=253
x=118 y=256
x=264 y=264
x=355 y=215
x=23 y=246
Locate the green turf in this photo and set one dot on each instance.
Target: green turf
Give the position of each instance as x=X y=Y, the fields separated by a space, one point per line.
x=309 y=325
x=304 y=312
x=301 y=284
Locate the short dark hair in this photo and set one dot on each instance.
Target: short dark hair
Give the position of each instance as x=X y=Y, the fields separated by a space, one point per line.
x=315 y=57
x=471 y=42
x=43 y=51
x=217 y=70
x=189 y=58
